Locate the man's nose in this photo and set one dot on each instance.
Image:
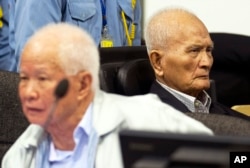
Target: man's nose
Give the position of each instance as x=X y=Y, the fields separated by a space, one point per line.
x=206 y=60
x=31 y=90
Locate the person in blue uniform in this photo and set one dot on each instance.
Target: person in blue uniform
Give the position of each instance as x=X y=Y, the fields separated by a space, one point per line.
x=6 y=61
x=110 y=23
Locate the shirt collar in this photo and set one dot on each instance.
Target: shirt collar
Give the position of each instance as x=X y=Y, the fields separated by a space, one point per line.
x=86 y=123
x=84 y=127
x=205 y=99
x=189 y=101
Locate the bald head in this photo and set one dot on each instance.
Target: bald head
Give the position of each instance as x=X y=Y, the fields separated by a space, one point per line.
x=180 y=50
x=168 y=25
x=67 y=47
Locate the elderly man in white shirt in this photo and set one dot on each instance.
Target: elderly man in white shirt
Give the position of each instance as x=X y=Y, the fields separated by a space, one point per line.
x=81 y=128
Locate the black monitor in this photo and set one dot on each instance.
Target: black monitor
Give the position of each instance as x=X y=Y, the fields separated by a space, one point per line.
x=144 y=149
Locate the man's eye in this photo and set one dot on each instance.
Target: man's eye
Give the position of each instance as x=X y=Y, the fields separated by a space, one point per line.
x=42 y=78
x=22 y=78
x=209 y=49
x=195 y=50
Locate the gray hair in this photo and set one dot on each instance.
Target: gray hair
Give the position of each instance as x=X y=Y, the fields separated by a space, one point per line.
x=76 y=49
x=158 y=30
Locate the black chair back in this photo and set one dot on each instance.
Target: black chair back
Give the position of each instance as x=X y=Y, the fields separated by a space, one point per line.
x=12 y=120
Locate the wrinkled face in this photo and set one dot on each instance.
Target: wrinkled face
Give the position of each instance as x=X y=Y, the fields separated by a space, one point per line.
x=39 y=76
x=187 y=61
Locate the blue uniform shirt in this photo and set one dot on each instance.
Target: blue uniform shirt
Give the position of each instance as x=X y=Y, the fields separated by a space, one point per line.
x=30 y=15
x=115 y=24
x=6 y=59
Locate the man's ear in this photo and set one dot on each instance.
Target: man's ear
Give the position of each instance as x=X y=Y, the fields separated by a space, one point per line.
x=156 y=57
x=85 y=81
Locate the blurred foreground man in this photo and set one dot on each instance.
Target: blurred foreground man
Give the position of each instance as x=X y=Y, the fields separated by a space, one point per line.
x=80 y=129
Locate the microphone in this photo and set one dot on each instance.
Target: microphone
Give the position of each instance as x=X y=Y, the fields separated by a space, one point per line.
x=61 y=89
x=60 y=92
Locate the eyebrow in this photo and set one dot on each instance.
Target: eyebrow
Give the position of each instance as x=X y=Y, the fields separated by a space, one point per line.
x=200 y=46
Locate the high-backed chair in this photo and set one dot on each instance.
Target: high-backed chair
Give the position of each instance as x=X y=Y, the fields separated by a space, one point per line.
x=112 y=59
x=231 y=68
x=108 y=76
x=122 y=54
x=135 y=77
x=12 y=121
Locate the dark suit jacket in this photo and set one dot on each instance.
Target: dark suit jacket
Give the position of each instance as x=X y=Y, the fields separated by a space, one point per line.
x=170 y=99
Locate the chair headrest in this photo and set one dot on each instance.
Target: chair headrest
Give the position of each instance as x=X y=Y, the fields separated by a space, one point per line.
x=231 y=50
x=135 y=77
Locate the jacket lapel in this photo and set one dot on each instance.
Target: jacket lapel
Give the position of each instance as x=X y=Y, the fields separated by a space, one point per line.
x=106 y=119
x=167 y=97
